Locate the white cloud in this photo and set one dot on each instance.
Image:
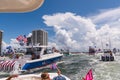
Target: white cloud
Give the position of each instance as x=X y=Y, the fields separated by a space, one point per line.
x=4 y=45
x=72 y=30
x=52 y=44
x=110 y=16
x=13 y=42
x=110 y=34
x=78 y=33
x=110 y=19
x=29 y=35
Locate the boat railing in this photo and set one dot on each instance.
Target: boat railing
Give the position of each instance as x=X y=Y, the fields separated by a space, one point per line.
x=106 y=54
x=50 y=55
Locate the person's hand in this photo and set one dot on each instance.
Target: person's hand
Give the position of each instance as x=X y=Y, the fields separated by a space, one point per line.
x=83 y=78
x=59 y=72
x=12 y=76
x=15 y=75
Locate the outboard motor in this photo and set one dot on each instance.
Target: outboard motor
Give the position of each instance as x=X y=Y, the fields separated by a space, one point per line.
x=111 y=58
x=103 y=58
x=107 y=58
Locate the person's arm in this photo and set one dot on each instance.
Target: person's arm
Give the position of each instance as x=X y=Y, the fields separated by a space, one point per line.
x=83 y=78
x=58 y=71
x=12 y=76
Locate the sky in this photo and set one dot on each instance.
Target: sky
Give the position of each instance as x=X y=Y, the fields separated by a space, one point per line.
x=71 y=24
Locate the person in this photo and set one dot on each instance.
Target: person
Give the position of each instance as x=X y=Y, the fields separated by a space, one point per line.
x=33 y=56
x=15 y=77
x=11 y=76
x=59 y=77
x=111 y=53
x=83 y=78
x=45 y=76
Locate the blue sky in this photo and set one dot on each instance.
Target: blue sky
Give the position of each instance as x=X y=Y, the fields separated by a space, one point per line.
x=14 y=24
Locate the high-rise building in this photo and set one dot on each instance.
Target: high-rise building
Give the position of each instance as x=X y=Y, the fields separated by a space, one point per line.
x=39 y=37
x=1 y=32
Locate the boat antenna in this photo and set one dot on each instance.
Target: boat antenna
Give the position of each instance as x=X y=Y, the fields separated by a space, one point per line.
x=102 y=44
x=109 y=43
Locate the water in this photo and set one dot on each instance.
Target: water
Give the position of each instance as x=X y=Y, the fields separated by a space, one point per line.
x=76 y=67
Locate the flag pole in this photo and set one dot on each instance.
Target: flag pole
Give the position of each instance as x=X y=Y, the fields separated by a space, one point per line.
x=109 y=43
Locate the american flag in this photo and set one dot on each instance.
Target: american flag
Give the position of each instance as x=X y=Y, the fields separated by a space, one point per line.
x=19 y=38
x=7 y=65
x=12 y=65
x=4 y=66
x=1 y=64
x=25 y=39
x=53 y=66
x=89 y=75
x=22 y=39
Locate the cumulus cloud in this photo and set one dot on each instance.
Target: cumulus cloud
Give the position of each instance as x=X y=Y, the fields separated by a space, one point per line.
x=110 y=16
x=72 y=31
x=29 y=35
x=108 y=21
x=4 y=45
x=110 y=35
x=78 y=33
x=13 y=42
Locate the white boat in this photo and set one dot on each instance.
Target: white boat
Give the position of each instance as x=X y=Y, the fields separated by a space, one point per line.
x=35 y=77
x=27 y=62
x=107 y=56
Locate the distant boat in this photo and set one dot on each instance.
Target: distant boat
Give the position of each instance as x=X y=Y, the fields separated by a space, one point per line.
x=107 y=53
x=107 y=56
x=66 y=52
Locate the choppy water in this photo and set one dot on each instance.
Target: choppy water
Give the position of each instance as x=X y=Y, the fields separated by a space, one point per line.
x=76 y=66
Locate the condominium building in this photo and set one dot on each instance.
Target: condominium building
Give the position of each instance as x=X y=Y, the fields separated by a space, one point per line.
x=39 y=37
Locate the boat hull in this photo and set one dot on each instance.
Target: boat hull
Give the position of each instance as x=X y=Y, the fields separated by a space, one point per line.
x=40 y=63
x=35 y=77
x=107 y=58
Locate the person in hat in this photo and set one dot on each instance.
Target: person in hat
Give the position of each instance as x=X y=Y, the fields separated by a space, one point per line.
x=45 y=76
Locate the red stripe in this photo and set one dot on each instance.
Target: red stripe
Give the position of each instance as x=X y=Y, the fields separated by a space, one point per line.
x=9 y=66
x=6 y=65
x=1 y=64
